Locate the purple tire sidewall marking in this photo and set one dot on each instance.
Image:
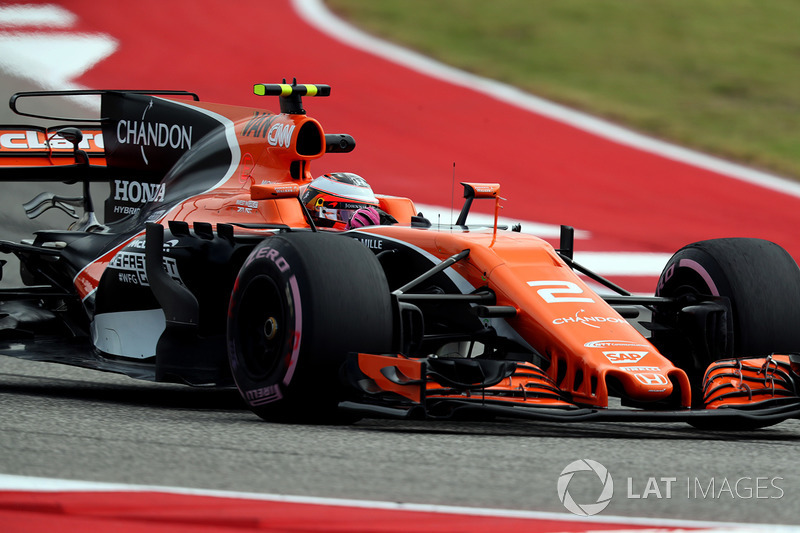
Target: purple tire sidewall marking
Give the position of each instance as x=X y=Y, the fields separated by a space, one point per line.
x=298 y=330
x=702 y=272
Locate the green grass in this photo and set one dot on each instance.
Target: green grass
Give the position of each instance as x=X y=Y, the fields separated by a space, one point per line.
x=722 y=76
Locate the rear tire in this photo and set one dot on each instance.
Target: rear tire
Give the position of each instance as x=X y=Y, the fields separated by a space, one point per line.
x=300 y=303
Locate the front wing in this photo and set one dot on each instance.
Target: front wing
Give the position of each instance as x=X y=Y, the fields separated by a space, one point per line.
x=739 y=393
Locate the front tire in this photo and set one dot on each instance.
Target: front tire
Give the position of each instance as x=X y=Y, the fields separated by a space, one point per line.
x=757 y=282
x=300 y=303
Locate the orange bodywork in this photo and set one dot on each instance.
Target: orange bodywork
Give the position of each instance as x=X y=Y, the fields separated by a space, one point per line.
x=273 y=149
x=409 y=375
x=587 y=342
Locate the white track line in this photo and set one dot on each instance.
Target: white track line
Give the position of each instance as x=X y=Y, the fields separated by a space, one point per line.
x=37 y=484
x=604 y=263
x=47 y=15
x=30 y=49
x=318 y=16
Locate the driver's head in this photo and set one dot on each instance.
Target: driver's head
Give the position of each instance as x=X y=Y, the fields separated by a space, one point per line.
x=333 y=198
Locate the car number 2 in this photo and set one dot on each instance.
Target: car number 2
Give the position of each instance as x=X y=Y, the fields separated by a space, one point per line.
x=554 y=291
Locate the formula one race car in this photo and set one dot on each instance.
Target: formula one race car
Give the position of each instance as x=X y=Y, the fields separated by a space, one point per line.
x=221 y=261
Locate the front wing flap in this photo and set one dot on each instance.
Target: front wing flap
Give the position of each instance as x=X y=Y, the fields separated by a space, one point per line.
x=750 y=381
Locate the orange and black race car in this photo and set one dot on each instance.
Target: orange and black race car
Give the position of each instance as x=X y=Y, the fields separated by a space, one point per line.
x=220 y=260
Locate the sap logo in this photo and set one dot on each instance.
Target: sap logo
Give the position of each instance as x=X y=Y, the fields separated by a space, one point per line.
x=280 y=135
x=138 y=192
x=652 y=379
x=624 y=357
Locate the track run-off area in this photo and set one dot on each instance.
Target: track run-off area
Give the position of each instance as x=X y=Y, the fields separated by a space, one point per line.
x=86 y=450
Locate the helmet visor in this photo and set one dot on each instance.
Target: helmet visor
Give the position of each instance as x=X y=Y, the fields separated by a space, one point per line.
x=337 y=215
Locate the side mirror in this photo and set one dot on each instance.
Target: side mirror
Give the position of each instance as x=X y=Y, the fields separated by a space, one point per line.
x=480 y=190
x=476 y=190
x=73 y=136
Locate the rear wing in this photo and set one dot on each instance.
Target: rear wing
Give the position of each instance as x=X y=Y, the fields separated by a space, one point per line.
x=120 y=145
x=21 y=142
x=29 y=153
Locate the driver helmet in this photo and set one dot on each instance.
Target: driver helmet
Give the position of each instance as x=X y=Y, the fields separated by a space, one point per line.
x=332 y=199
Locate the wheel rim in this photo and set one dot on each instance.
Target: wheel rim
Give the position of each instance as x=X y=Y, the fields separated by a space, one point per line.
x=263 y=327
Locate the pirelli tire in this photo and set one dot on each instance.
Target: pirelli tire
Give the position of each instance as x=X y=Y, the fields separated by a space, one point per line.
x=759 y=281
x=300 y=303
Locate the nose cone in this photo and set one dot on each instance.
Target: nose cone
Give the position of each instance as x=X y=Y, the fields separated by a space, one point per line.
x=643 y=383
